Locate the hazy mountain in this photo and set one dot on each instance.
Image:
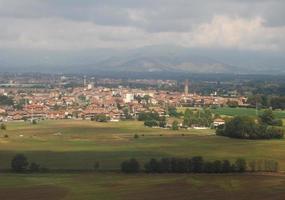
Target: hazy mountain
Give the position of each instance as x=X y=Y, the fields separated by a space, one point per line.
x=147 y=59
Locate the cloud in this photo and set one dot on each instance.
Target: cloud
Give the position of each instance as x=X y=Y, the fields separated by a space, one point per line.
x=87 y=24
x=237 y=32
x=63 y=34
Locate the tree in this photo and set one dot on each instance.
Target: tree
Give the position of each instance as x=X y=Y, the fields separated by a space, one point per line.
x=153 y=166
x=162 y=122
x=232 y=104
x=96 y=165
x=165 y=165
x=3 y=126
x=267 y=117
x=248 y=128
x=6 y=101
x=175 y=125
x=226 y=166
x=100 y=118
x=136 y=136
x=34 y=167
x=172 y=111
x=197 y=164
x=19 y=163
x=217 y=166
x=240 y=165
x=150 y=123
x=275 y=132
x=130 y=166
x=127 y=113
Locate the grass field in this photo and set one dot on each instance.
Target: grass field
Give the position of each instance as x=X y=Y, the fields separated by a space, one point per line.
x=113 y=186
x=67 y=144
x=227 y=111
x=76 y=145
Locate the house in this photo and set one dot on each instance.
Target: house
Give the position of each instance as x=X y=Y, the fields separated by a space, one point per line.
x=218 y=122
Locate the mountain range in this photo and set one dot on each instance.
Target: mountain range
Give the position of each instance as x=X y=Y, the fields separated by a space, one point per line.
x=164 y=58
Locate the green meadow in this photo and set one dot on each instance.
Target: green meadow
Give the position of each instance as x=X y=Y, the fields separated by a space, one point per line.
x=227 y=111
x=77 y=145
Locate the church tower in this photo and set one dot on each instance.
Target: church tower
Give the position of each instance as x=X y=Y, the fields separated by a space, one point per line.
x=186 y=87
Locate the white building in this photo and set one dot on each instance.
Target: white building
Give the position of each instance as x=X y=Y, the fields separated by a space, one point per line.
x=129 y=98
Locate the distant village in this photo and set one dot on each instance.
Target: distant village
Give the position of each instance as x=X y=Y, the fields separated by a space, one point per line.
x=86 y=101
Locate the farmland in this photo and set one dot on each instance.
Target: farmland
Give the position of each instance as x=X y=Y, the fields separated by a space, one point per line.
x=115 y=186
x=77 y=145
x=227 y=111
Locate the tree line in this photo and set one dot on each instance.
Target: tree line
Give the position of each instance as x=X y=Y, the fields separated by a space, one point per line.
x=200 y=118
x=197 y=164
x=266 y=101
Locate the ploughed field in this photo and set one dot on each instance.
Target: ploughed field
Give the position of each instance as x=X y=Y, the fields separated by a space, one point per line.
x=115 y=186
x=77 y=145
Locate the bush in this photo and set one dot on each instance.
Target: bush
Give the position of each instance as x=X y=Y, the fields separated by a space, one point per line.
x=275 y=132
x=34 y=167
x=100 y=118
x=150 y=123
x=130 y=166
x=175 y=125
x=136 y=136
x=247 y=128
x=19 y=163
x=3 y=126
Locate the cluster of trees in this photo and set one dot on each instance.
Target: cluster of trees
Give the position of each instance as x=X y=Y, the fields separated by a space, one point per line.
x=263 y=166
x=266 y=101
x=100 y=118
x=21 y=164
x=172 y=112
x=130 y=166
x=202 y=118
x=268 y=118
x=152 y=119
x=6 y=101
x=194 y=165
x=249 y=128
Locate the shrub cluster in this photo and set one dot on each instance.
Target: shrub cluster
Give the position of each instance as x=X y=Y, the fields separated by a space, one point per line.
x=152 y=119
x=100 y=118
x=248 y=128
x=21 y=164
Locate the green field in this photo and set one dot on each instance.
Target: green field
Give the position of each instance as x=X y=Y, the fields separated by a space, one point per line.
x=65 y=144
x=113 y=186
x=244 y=111
x=227 y=111
x=75 y=145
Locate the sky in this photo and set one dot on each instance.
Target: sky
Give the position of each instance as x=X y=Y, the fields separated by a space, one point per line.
x=85 y=24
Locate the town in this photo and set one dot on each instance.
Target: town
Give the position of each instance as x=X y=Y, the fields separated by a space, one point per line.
x=23 y=99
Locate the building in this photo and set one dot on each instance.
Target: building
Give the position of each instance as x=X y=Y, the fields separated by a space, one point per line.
x=186 y=87
x=218 y=122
